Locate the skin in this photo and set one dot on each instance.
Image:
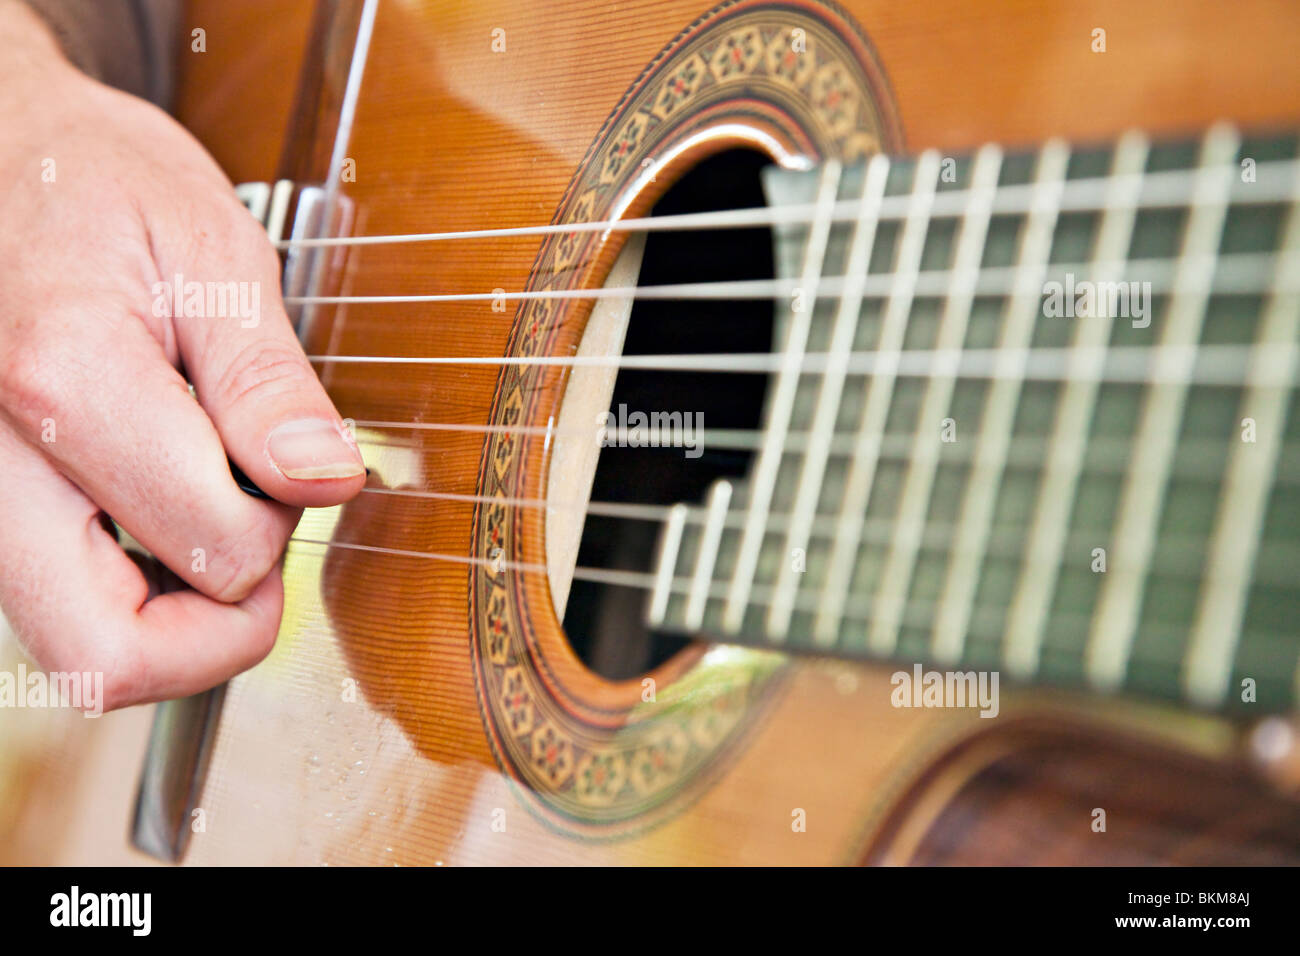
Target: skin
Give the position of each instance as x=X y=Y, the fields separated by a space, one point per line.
x=96 y=417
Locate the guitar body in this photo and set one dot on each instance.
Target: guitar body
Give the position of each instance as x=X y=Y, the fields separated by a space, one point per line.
x=422 y=711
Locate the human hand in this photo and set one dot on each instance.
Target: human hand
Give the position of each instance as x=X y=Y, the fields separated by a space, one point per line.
x=106 y=200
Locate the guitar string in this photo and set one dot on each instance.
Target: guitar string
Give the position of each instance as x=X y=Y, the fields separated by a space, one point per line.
x=1222 y=365
x=1025 y=451
x=646 y=580
x=821 y=525
x=1158 y=190
x=890 y=447
x=637 y=580
x=1240 y=273
x=856 y=611
x=643 y=581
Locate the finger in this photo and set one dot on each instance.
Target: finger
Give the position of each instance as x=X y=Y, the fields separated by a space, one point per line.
x=248 y=369
x=78 y=603
x=141 y=448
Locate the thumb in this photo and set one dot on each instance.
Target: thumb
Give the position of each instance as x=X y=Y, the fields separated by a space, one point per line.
x=248 y=369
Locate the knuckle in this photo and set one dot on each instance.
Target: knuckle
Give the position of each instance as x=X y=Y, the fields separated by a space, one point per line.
x=216 y=228
x=30 y=385
x=243 y=561
x=261 y=371
x=224 y=232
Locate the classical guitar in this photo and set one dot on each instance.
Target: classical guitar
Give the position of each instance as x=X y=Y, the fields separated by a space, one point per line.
x=799 y=432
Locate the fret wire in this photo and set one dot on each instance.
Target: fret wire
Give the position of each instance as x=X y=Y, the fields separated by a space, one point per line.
x=880 y=390
x=896 y=578
x=670 y=542
x=1026 y=617
x=1243 y=495
x=997 y=421
x=763 y=479
x=844 y=332
x=706 y=554
x=1115 y=616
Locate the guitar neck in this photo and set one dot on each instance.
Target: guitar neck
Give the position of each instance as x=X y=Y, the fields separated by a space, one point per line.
x=1033 y=413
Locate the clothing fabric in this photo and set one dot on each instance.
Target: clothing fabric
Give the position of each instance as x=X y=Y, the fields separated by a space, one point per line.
x=129 y=44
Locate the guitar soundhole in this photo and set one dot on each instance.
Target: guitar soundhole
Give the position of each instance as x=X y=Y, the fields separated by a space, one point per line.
x=606 y=624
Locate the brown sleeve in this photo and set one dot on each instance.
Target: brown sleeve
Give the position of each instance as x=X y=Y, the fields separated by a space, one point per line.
x=129 y=44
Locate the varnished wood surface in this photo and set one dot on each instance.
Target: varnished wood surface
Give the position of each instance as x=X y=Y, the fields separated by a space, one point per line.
x=257 y=65
x=1040 y=792
x=450 y=135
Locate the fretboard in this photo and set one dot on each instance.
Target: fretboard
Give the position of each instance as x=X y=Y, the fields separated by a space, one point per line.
x=1034 y=414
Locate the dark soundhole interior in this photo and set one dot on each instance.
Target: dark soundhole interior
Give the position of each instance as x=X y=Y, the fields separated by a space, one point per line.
x=605 y=624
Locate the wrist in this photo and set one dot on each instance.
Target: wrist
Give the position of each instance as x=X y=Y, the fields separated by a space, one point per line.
x=30 y=52
x=24 y=32
x=28 y=45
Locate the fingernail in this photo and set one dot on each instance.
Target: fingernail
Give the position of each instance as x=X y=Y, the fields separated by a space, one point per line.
x=312 y=449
